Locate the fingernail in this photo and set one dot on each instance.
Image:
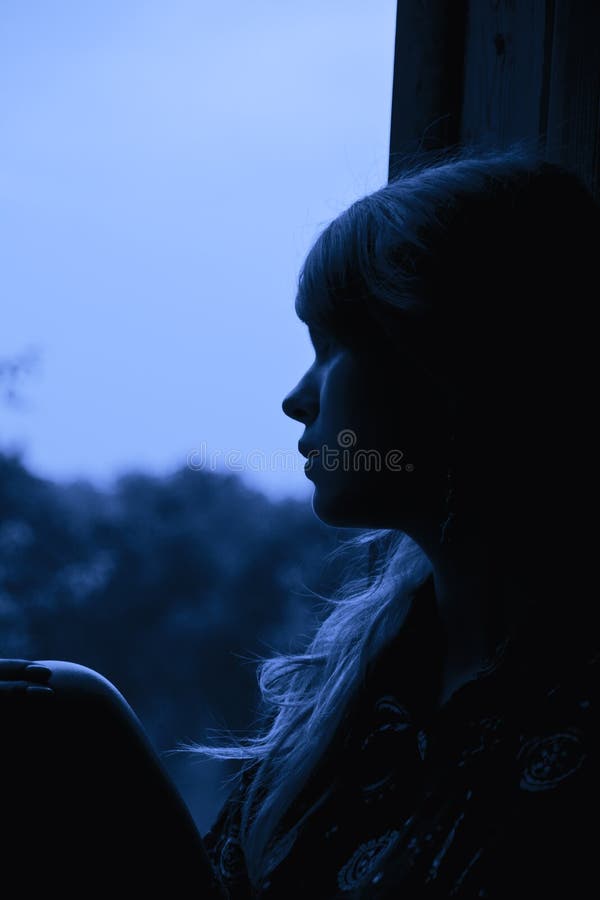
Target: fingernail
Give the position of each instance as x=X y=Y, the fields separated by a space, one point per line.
x=35 y=672
x=38 y=689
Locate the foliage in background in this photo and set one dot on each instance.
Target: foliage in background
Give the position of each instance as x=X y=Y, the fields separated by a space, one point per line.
x=168 y=586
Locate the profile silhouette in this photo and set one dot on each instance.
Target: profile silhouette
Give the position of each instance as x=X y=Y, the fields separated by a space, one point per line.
x=438 y=736
x=417 y=747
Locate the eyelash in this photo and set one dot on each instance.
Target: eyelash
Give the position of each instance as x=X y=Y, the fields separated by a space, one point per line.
x=322 y=344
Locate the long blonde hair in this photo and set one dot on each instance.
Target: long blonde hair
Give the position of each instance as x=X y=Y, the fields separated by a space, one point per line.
x=305 y=695
x=380 y=261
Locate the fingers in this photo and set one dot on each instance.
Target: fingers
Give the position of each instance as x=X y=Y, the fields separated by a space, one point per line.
x=22 y=677
x=23 y=669
x=13 y=668
x=36 y=672
x=24 y=688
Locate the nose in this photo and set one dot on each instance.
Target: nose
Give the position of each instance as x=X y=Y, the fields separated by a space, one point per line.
x=300 y=404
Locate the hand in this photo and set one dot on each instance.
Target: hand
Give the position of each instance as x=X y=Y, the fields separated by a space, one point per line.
x=24 y=678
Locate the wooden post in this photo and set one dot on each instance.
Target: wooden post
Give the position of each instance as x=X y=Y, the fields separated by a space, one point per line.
x=427 y=88
x=506 y=72
x=492 y=72
x=573 y=131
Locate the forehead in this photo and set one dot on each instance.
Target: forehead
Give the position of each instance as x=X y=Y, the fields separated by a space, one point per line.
x=313 y=306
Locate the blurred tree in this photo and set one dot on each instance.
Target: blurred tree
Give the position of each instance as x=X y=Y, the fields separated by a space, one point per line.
x=12 y=373
x=171 y=587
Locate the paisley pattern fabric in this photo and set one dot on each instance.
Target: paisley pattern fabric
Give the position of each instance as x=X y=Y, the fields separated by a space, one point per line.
x=494 y=795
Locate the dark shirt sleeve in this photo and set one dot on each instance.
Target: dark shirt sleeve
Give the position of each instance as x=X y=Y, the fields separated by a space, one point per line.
x=552 y=841
x=528 y=824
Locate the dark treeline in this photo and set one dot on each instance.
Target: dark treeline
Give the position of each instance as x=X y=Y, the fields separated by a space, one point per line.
x=171 y=587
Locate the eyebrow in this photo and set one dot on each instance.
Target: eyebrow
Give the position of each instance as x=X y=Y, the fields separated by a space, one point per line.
x=315 y=333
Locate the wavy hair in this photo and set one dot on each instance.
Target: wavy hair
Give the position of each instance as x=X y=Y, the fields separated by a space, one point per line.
x=464 y=236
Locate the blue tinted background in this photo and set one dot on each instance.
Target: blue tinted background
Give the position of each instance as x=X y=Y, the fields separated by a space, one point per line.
x=164 y=168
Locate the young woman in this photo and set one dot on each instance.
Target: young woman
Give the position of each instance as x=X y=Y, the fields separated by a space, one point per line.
x=438 y=738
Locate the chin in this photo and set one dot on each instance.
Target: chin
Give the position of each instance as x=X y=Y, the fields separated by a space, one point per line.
x=342 y=509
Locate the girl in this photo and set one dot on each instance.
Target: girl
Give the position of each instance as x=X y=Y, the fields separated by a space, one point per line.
x=438 y=736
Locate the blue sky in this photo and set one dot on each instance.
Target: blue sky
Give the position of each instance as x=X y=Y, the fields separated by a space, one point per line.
x=164 y=167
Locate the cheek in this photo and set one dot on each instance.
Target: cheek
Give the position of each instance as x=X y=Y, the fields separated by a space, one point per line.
x=387 y=465
x=388 y=428
x=355 y=398
x=371 y=432
x=404 y=416
x=363 y=499
x=341 y=503
x=355 y=472
x=383 y=441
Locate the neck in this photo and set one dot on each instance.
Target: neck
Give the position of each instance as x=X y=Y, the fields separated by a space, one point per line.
x=472 y=594
x=468 y=609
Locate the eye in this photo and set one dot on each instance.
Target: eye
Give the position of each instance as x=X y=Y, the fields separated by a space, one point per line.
x=323 y=343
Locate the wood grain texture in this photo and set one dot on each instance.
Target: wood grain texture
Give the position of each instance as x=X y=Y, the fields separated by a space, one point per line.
x=428 y=76
x=493 y=72
x=505 y=71
x=573 y=120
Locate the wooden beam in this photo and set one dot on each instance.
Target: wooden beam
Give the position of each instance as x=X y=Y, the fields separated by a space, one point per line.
x=492 y=72
x=573 y=116
x=428 y=74
x=506 y=71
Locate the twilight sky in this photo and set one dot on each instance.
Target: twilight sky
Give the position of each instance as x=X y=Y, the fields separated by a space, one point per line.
x=164 y=167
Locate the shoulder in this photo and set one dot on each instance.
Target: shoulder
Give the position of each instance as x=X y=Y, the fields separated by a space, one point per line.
x=82 y=723
x=74 y=682
x=567 y=696
x=555 y=710
x=558 y=775
x=79 y=758
x=86 y=698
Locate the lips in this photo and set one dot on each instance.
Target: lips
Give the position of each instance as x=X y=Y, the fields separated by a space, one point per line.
x=306 y=451
x=311 y=455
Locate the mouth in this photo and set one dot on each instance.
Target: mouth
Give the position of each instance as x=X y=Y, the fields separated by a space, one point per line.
x=310 y=454
x=309 y=467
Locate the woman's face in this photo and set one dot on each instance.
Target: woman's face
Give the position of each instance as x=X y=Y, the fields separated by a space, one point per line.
x=371 y=434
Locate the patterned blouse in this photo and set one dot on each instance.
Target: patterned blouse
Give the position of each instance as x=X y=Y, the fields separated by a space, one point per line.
x=492 y=795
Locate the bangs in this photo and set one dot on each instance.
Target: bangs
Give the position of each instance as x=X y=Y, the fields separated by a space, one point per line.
x=332 y=292
x=360 y=282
